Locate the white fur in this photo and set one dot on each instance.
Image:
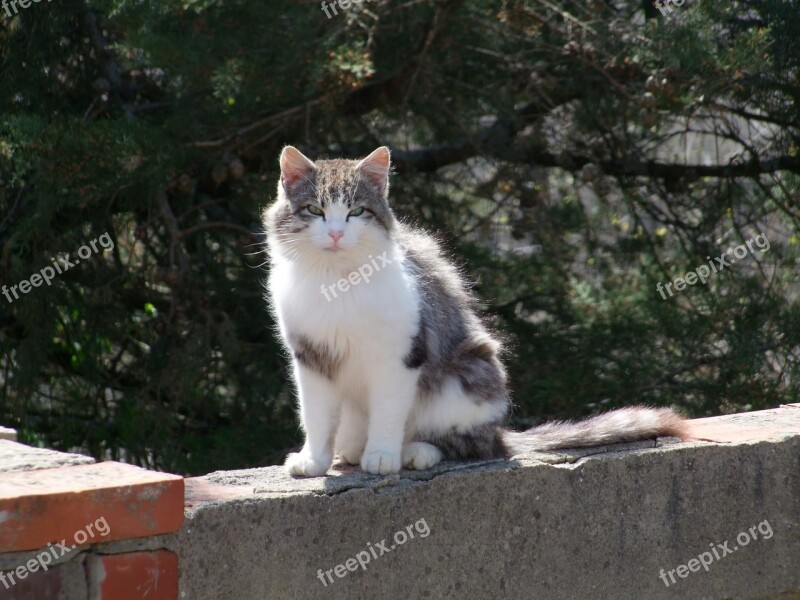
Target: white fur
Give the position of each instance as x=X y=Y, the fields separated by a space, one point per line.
x=454 y=409
x=420 y=455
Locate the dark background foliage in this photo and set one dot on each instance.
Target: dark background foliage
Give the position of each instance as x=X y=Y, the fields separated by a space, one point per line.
x=572 y=155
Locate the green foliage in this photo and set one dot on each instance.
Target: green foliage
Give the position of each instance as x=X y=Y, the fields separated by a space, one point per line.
x=572 y=155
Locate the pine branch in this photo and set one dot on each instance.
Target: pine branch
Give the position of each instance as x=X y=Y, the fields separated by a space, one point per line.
x=358 y=102
x=499 y=141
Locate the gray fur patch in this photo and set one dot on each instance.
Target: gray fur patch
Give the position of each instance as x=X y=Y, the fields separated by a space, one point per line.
x=282 y=218
x=316 y=357
x=418 y=355
x=482 y=442
x=452 y=342
x=477 y=367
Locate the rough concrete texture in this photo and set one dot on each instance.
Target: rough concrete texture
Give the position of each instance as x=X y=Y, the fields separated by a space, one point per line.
x=19 y=457
x=585 y=524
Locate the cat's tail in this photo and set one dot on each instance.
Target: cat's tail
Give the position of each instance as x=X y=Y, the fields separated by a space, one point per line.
x=622 y=425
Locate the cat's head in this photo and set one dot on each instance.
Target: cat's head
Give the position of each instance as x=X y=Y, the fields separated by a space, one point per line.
x=332 y=207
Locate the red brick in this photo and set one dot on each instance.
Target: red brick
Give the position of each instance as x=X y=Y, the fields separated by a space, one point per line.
x=51 y=505
x=35 y=586
x=134 y=576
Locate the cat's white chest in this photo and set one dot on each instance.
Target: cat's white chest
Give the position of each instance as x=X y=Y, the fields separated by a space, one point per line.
x=350 y=314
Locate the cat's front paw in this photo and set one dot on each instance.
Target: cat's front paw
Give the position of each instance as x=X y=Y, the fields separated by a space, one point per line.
x=380 y=462
x=352 y=456
x=420 y=455
x=299 y=464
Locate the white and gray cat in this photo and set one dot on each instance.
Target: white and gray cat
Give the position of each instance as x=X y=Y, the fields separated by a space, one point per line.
x=393 y=365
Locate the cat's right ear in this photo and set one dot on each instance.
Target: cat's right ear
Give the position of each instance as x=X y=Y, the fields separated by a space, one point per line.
x=294 y=166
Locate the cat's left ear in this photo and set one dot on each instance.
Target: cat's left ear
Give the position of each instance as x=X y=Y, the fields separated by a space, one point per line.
x=294 y=166
x=376 y=167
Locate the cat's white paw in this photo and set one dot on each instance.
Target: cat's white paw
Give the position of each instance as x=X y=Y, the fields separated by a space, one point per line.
x=299 y=464
x=380 y=462
x=352 y=456
x=420 y=455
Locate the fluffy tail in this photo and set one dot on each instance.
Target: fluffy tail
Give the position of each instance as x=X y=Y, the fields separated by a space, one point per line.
x=623 y=425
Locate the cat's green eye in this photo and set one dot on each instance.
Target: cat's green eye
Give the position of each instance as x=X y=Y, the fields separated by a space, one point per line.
x=356 y=212
x=315 y=211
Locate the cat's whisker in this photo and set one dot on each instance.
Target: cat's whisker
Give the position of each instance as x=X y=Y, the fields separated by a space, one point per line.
x=259 y=266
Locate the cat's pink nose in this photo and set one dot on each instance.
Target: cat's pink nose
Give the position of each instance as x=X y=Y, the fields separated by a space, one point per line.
x=336 y=235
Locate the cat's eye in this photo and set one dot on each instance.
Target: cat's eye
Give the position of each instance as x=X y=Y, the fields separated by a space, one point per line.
x=356 y=212
x=315 y=211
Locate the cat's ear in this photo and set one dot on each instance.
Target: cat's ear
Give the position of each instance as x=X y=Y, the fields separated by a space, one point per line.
x=294 y=166
x=376 y=167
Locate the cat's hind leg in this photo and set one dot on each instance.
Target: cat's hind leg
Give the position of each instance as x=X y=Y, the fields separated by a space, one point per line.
x=460 y=425
x=420 y=455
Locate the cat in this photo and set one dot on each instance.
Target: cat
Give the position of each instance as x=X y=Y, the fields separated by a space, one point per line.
x=395 y=369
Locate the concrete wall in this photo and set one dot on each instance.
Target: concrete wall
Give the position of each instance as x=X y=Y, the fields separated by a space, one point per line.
x=572 y=525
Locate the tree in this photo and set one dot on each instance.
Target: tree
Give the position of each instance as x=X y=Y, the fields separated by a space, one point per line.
x=573 y=155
